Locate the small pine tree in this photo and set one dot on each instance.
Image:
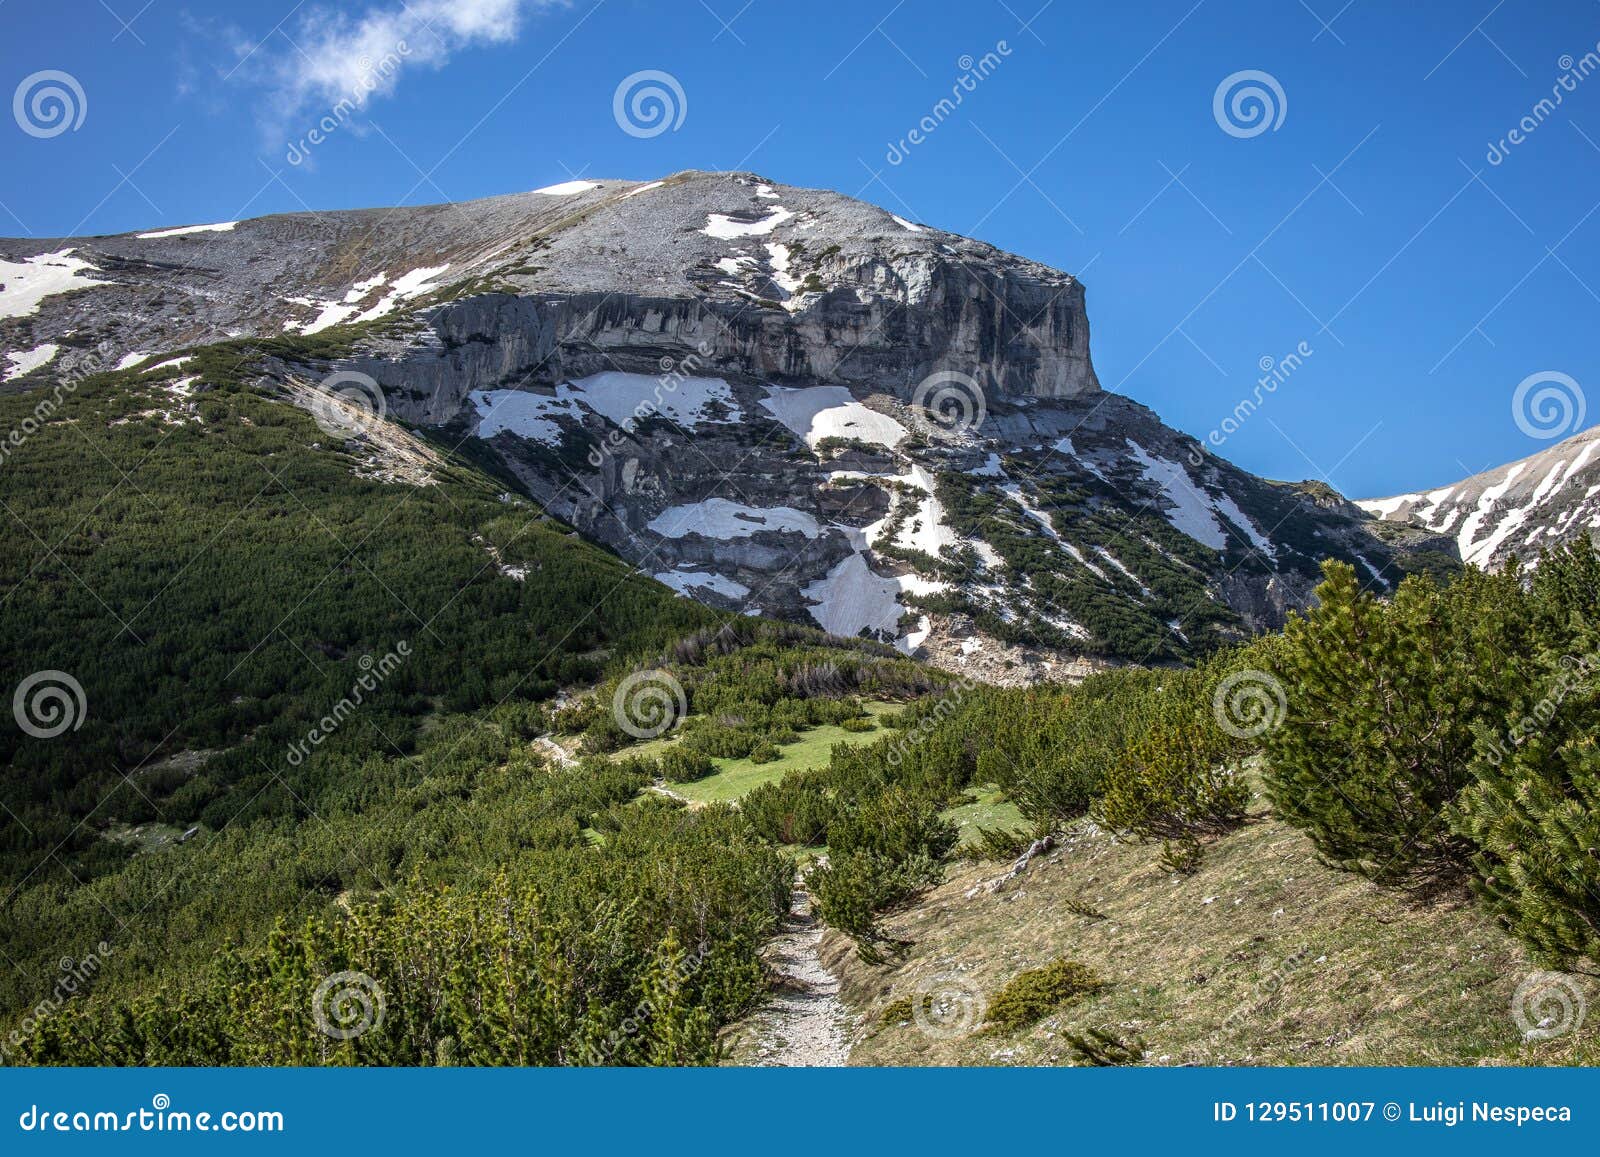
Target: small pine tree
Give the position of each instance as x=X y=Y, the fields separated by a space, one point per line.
x=1378 y=735
x=1535 y=808
x=1174 y=781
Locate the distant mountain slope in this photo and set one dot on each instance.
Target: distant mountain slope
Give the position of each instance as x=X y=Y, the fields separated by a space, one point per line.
x=775 y=400
x=1518 y=509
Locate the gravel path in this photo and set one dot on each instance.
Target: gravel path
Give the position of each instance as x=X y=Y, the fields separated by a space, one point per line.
x=804 y=1024
x=553 y=749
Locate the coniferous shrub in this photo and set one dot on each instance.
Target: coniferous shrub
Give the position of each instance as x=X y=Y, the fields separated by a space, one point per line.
x=1381 y=700
x=681 y=764
x=1174 y=782
x=794 y=811
x=1534 y=808
x=1030 y=996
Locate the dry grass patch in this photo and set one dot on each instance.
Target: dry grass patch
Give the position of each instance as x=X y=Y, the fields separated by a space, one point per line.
x=1263 y=956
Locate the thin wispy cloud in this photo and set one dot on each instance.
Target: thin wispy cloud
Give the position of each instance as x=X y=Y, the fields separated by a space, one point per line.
x=328 y=59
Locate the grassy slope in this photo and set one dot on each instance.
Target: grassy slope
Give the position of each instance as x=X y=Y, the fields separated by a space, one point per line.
x=735 y=777
x=989 y=809
x=1263 y=957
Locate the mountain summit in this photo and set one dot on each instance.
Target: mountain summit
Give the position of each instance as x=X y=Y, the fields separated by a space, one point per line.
x=777 y=400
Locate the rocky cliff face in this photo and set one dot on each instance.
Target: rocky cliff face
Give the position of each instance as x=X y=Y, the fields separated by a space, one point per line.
x=777 y=400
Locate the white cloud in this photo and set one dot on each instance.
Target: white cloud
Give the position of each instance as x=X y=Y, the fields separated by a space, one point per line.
x=346 y=61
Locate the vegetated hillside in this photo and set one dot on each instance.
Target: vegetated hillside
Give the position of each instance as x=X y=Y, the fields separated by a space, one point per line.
x=465 y=898
x=199 y=585
x=1407 y=875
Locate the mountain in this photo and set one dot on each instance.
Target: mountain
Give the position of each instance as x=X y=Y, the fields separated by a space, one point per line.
x=1521 y=508
x=779 y=401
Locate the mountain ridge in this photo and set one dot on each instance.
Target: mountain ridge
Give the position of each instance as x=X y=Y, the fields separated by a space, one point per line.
x=1518 y=508
x=777 y=400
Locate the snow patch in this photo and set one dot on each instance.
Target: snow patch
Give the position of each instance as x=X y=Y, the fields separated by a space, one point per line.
x=926 y=530
x=26 y=361
x=727 y=228
x=818 y=412
x=1117 y=562
x=990 y=469
x=619 y=397
x=904 y=224
x=1064 y=446
x=187 y=230
x=567 y=188
x=1225 y=505
x=720 y=518
x=850 y=599
x=348 y=308
x=530 y=416
x=684 y=582
x=1192 y=511
x=623 y=398
x=1480 y=553
x=26 y=283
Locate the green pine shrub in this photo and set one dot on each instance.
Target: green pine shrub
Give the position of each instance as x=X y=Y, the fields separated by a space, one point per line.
x=1030 y=996
x=680 y=764
x=1382 y=698
x=1174 y=782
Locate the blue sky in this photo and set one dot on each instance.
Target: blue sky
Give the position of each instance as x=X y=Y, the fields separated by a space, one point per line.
x=1368 y=224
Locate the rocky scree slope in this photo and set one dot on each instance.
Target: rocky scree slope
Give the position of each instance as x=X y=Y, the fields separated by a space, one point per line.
x=773 y=399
